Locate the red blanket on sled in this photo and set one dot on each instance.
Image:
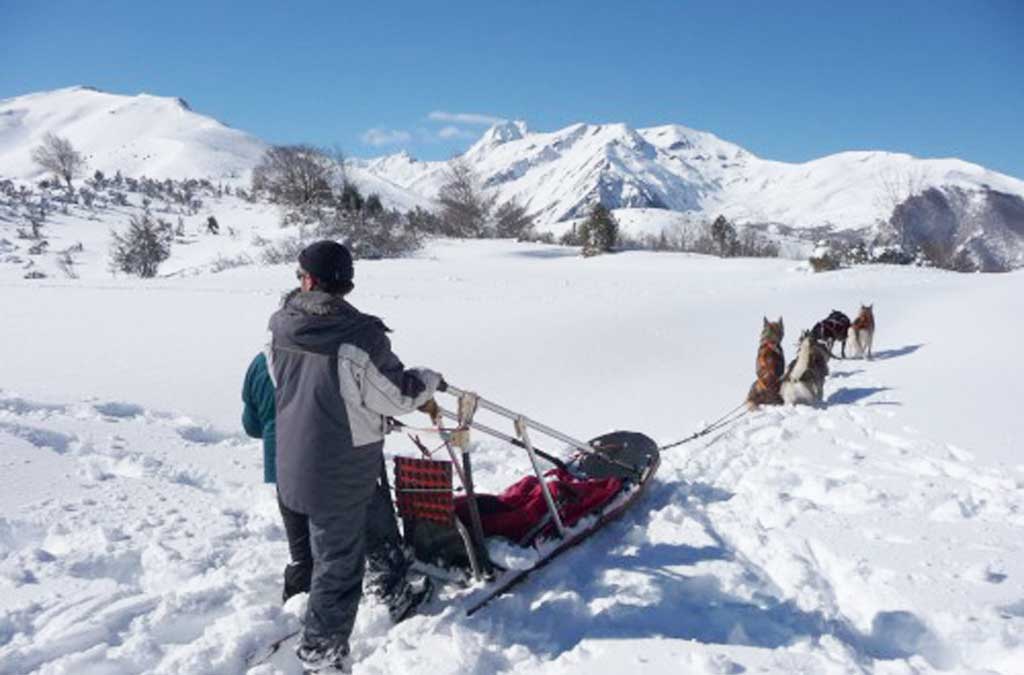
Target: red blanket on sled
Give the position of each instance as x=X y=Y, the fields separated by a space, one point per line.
x=517 y=510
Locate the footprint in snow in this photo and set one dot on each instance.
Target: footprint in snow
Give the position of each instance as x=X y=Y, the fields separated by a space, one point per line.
x=23 y=407
x=119 y=410
x=41 y=438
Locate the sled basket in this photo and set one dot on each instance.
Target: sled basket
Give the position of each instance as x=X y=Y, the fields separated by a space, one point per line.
x=423 y=490
x=549 y=511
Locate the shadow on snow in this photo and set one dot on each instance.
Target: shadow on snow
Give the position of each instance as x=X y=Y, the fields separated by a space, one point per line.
x=896 y=353
x=609 y=589
x=848 y=395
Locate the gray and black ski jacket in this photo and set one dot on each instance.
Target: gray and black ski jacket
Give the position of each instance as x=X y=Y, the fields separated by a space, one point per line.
x=336 y=380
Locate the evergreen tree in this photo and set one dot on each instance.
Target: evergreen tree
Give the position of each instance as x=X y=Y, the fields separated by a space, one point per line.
x=141 y=248
x=350 y=199
x=373 y=207
x=599 y=232
x=723 y=234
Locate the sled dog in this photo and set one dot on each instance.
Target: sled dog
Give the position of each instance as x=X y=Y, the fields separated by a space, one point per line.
x=831 y=329
x=862 y=331
x=804 y=381
x=771 y=363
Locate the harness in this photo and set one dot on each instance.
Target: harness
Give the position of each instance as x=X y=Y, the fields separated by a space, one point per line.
x=864 y=322
x=769 y=372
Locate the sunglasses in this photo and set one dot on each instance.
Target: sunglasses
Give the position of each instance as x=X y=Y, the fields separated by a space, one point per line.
x=301 y=274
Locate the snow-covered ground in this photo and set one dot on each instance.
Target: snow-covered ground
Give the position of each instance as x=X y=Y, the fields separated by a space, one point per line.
x=880 y=533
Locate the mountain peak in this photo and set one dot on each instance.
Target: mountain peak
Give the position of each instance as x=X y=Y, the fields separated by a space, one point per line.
x=502 y=132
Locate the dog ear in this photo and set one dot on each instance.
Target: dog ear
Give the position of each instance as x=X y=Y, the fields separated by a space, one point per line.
x=766 y=322
x=780 y=323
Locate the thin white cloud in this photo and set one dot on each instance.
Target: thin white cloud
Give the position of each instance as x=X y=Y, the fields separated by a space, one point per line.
x=379 y=137
x=475 y=119
x=452 y=132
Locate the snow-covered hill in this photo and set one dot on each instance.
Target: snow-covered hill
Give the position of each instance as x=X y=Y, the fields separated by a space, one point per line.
x=147 y=135
x=880 y=533
x=144 y=135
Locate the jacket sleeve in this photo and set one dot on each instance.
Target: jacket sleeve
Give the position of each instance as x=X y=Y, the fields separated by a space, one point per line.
x=251 y=421
x=388 y=388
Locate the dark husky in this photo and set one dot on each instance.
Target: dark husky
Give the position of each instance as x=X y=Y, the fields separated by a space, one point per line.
x=831 y=329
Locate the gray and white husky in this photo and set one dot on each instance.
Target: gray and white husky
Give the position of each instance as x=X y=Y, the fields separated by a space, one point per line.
x=804 y=381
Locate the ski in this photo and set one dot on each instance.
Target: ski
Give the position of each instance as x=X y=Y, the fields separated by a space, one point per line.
x=263 y=655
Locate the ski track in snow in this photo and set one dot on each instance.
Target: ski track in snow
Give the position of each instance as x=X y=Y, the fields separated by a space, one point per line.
x=148 y=561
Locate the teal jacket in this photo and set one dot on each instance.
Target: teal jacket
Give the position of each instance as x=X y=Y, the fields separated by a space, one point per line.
x=258 y=416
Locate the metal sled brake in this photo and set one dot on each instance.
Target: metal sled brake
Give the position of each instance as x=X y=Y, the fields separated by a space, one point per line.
x=447 y=530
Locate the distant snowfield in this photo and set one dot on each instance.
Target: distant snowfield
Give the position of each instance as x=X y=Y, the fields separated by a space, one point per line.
x=881 y=533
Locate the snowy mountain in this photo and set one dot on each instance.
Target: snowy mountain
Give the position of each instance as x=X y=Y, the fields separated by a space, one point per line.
x=965 y=230
x=154 y=136
x=138 y=135
x=664 y=170
x=559 y=174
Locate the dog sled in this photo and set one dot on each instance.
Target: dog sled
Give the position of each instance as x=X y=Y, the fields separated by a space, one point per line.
x=452 y=529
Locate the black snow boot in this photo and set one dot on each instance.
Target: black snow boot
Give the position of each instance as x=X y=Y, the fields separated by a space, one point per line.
x=297 y=579
x=409 y=598
x=388 y=578
x=326 y=655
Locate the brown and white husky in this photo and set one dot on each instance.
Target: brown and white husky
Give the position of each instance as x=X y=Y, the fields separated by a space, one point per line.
x=771 y=363
x=804 y=381
x=862 y=332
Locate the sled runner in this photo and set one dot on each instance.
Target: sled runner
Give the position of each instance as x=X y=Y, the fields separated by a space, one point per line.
x=549 y=511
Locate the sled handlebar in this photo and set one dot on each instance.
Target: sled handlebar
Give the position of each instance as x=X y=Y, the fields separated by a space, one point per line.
x=512 y=415
x=483 y=428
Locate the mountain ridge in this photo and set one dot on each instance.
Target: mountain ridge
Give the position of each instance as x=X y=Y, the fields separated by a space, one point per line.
x=556 y=174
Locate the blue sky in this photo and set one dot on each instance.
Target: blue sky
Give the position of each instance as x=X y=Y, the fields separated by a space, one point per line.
x=787 y=80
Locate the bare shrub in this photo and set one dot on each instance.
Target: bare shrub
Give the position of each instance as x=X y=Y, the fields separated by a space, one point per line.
x=511 y=221
x=284 y=250
x=384 y=235
x=222 y=263
x=295 y=175
x=56 y=155
x=465 y=207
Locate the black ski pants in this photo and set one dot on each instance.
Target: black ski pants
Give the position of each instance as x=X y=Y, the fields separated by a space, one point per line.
x=386 y=561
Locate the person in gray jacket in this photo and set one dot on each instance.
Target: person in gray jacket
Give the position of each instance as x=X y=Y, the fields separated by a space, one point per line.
x=336 y=383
